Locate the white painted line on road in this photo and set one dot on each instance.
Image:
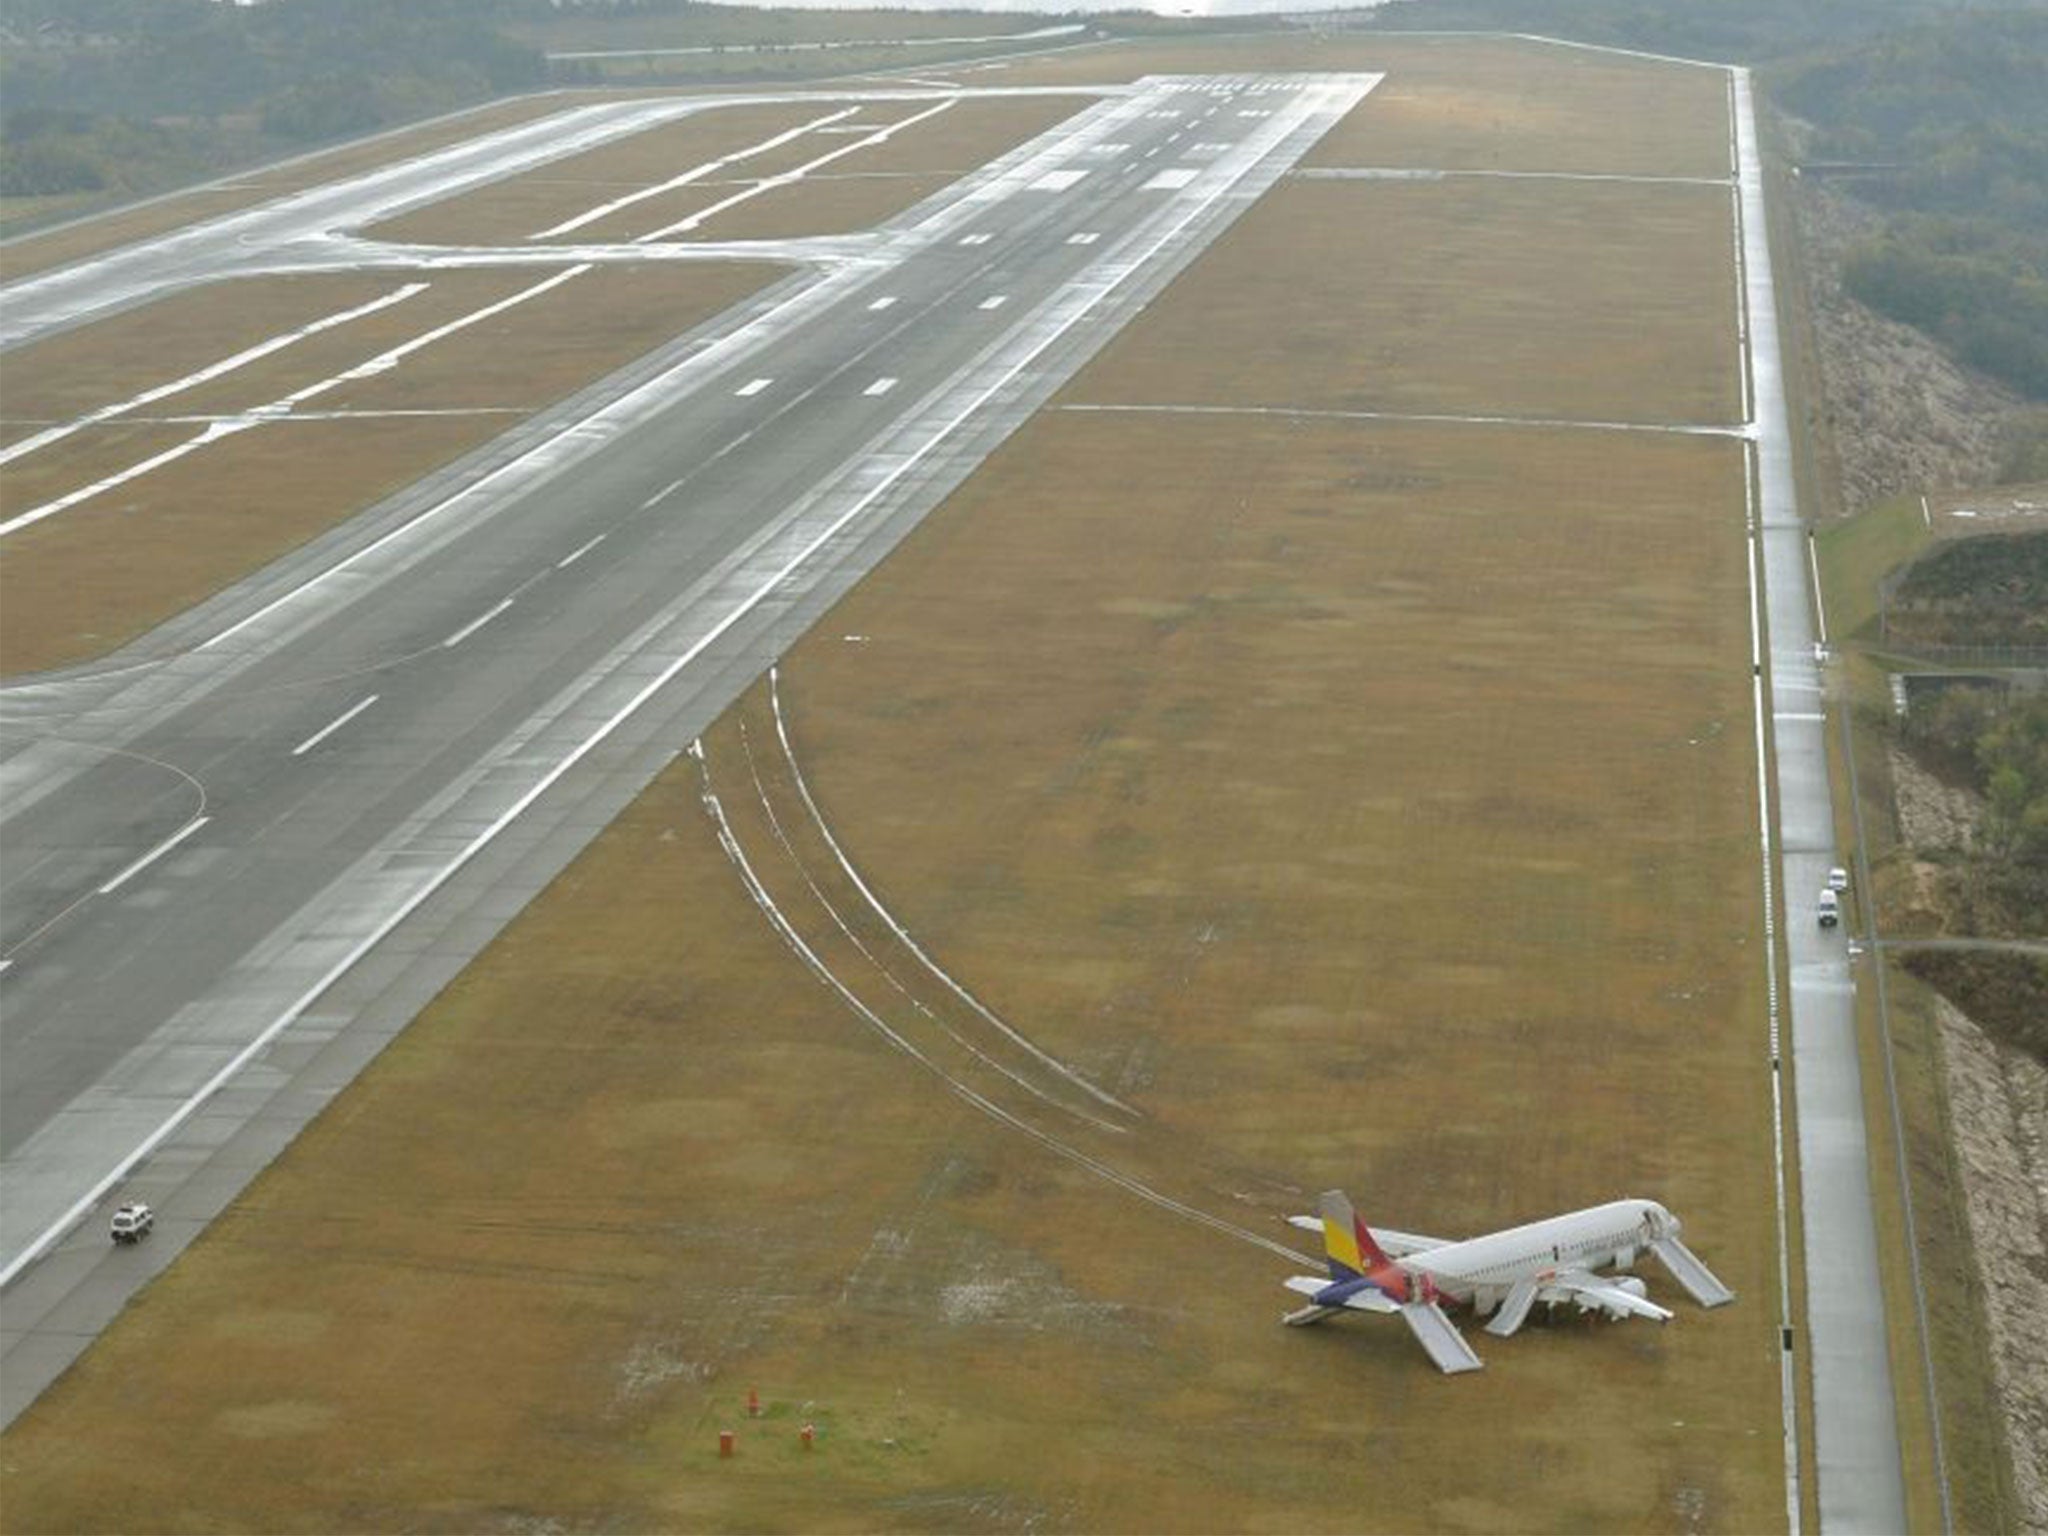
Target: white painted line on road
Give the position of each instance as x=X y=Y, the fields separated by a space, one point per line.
x=1085 y=237
x=1056 y=181
x=1820 y=607
x=332 y=726
x=475 y=624
x=880 y=387
x=994 y=301
x=1794 y=714
x=153 y=855
x=884 y=301
x=580 y=551
x=753 y=387
x=1170 y=181
x=981 y=237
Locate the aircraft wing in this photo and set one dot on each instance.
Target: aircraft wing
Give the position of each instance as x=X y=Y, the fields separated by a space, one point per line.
x=1396 y=1245
x=1612 y=1297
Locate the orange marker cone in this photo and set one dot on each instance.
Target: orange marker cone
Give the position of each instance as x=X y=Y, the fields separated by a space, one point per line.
x=725 y=1443
x=804 y=1435
x=753 y=1403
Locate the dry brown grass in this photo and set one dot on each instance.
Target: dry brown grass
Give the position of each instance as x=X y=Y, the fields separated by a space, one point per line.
x=1461 y=103
x=100 y=573
x=1342 y=811
x=1365 y=802
x=1590 y=301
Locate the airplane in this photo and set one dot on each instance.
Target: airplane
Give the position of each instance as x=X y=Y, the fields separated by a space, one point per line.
x=1376 y=1269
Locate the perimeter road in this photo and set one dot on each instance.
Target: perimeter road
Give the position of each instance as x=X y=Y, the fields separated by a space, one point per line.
x=1856 y=1438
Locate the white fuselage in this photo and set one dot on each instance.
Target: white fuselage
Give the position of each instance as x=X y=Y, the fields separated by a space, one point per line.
x=1482 y=1269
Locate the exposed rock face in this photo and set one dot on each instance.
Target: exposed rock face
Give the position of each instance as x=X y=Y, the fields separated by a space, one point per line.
x=1998 y=1100
x=1903 y=417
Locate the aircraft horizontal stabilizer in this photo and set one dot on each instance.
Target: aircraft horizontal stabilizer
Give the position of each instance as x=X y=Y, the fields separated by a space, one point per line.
x=1439 y=1338
x=1688 y=1271
x=1365 y=1299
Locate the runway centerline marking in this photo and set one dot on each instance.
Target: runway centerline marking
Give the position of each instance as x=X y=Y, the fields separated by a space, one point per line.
x=477 y=623
x=994 y=301
x=332 y=726
x=883 y=302
x=753 y=387
x=153 y=855
x=880 y=387
x=1085 y=237
x=979 y=238
x=578 y=552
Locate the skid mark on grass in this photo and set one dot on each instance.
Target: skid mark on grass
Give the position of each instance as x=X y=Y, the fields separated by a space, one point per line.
x=825 y=905
x=902 y=934
x=781 y=922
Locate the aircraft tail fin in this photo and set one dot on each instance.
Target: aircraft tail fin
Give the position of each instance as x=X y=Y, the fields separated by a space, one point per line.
x=1347 y=1241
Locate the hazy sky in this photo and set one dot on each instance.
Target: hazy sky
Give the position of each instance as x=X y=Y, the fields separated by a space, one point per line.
x=1163 y=7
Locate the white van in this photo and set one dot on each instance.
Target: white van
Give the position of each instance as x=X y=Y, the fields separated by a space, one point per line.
x=1829 y=909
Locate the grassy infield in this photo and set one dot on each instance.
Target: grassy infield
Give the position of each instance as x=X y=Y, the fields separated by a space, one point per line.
x=1363 y=802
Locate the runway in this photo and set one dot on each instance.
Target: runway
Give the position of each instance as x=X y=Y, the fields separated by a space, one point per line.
x=242 y=856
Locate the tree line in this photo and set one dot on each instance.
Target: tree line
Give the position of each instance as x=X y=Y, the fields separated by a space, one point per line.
x=125 y=95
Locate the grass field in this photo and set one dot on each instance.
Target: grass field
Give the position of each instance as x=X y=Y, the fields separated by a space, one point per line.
x=1361 y=802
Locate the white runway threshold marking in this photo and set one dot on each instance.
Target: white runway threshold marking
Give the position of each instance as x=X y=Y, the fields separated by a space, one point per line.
x=153 y=855
x=1170 y=181
x=332 y=726
x=1057 y=181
